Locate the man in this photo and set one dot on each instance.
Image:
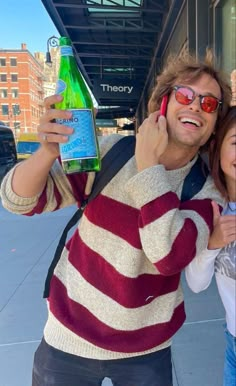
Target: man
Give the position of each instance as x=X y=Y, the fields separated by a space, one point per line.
x=115 y=297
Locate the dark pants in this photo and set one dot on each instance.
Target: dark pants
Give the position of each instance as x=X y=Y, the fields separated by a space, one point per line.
x=53 y=367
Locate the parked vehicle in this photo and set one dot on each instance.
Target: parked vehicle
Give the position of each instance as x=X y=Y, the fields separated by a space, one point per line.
x=8 y=157
x=27 y=144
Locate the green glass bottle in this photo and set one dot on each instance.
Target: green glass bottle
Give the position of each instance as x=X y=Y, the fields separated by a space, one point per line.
x=81 y=152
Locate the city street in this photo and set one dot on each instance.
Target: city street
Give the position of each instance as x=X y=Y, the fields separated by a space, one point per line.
x=26 y=249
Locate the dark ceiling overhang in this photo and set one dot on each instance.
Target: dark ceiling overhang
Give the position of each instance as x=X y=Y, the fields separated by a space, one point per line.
x=116 y=43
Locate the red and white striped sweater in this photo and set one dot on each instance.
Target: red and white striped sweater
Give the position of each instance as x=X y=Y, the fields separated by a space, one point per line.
x=116 y=290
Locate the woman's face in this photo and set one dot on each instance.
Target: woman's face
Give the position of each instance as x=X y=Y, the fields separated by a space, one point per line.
x=228 y=157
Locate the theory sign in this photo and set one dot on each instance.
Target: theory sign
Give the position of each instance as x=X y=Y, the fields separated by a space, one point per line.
x=122 y=89
x=118 y=89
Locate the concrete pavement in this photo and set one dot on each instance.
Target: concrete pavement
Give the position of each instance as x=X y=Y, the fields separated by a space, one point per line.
x=26 y=248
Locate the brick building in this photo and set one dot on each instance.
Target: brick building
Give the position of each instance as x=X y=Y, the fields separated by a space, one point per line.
x=50 y=70
x=21 y=89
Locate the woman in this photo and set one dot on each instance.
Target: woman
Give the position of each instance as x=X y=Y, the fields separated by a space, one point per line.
x=220 y=257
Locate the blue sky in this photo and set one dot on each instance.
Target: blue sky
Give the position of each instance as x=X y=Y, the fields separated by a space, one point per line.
x=25 y=21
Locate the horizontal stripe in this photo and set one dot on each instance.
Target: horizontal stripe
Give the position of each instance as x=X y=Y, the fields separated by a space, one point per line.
x=158 y=208
x=56 y=193
x=114 y=216
x=170 y=228
x=112 y=312
x=153 y=182
x=182 y=250
x=129 y=292
x=203 y=208
x=60 y=337
x=165 y=231
x=42 y=201
x=126 y=259
x=80 y=320
x=72 y=184
x=77 y=185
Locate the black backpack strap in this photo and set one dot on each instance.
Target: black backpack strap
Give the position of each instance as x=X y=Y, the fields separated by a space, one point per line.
x=195 y=179
x=112 y=162
x=74 y=219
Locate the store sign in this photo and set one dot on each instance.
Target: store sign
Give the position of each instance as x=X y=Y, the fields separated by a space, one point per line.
x=116 y=89
x=106 y=123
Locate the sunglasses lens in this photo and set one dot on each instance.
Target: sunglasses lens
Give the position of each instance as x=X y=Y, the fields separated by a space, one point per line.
x=209 y=104
x=184 y=96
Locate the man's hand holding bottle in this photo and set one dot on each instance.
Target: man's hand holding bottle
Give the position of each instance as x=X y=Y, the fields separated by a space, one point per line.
x=51 y=133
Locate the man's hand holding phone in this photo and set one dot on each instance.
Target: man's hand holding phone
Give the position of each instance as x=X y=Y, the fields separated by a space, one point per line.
x=152 y=139
x=163 y=108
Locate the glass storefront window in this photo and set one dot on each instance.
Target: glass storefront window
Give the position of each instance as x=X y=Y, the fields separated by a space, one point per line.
x=227 y=43
x=229 y=35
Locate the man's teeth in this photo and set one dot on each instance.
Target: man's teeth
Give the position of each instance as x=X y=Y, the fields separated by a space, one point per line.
x=190 y=120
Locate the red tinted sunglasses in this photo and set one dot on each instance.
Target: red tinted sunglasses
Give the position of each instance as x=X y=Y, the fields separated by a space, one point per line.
x=185 y=96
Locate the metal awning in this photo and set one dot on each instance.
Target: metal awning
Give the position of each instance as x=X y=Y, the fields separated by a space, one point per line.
x=115 y=43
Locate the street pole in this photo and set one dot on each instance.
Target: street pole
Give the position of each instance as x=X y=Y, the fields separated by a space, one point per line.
x=53 y=41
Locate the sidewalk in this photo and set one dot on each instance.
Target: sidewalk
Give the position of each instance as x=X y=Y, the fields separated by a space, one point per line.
x=26 y=248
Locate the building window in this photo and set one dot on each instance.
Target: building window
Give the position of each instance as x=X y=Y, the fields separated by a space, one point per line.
x=3 y=77
x=16 y=109
x=3 y=93
x=5 y=109
x=2 y=62
x=15 y=93
x=13 y=62
x=14 y=77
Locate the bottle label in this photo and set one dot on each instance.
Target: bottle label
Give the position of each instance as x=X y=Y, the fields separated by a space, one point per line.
x=82 y=142
x=60 y=86
x=66 y=51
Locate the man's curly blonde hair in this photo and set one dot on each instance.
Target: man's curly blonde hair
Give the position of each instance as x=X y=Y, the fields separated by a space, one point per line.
x=188 y=69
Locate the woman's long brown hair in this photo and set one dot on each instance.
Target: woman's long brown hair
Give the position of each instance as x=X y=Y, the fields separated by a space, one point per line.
x=215 y=149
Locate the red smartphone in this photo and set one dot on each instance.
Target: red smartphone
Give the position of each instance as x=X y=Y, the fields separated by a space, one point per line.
x=163 y=107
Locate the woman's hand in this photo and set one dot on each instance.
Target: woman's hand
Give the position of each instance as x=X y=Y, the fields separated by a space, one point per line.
x=224 y=231
x=51 y=133
x=151 y=141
